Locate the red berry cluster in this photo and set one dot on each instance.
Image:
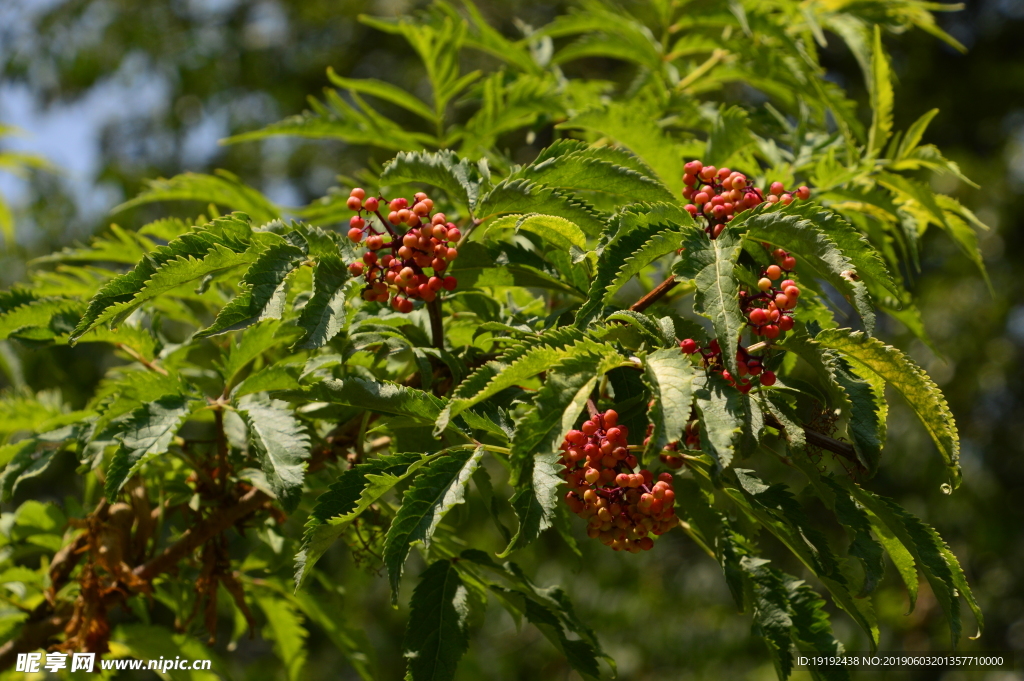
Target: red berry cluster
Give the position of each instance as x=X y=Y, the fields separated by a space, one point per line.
x=718 y=194
x=770 y=311
x=748 y=366
x=621 y=507
x=414 y=267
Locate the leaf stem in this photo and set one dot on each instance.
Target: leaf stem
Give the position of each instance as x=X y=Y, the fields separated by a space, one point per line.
x=134 y=354
x=436 y=323
x=656 y=294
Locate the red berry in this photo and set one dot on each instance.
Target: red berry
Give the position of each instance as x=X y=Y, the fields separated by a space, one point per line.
x=758 y=316
x=768 y=378
x=354 y=203
x=776 y=188
x=789 y=263
x=693 y=167
x=689 y=346
x=785 y=323
x=792 y=292
x=449 y=283
x=773 y=272
x=358 y=193
x=771 y=331
x=355 y=235
x=803 y=193
x=356 y=269
x=375 y=242
x=371 y=204
x=454 y=234
x=691 y=209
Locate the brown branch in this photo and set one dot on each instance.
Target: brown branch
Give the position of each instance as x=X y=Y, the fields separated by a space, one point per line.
x=43 y=624
x=196 y=536
x=816 y=439
x=656 y=293
x=48 y=620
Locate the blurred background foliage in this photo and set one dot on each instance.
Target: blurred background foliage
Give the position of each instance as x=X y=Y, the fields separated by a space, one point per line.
x=111 y=92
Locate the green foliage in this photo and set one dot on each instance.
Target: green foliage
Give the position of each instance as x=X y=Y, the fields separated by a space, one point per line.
x=248 y=375
x=437 y=634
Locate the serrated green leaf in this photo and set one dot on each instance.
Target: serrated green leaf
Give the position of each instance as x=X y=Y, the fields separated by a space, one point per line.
x=858 y=526
x=772 y=614
x=501 y=376
x=554 y=410
x=730 y=134
x=337 y=119
x=867 y=416
x=23 y=459
x=262 y=295
x=323 y=315
x=120 y=246
x=252 y=343
x=721 y=418
x=511 y=195
x=225 y=241
x=548 y=609
x=637 y=236
x=281 y=443
x=146 y=434
x=439 y=487
x=914 y=133
x=634 y=125
x=223 y=189
x=880 y=90
x=436 y=636
x=812 y=632
x=382 y=397
x=345 y=499
x=816 y=251
x=668 y=374
x=580 y=171
x=536 y=503
x=285 y=630
x=385 y=91
x=778 y=512
x=711 y=264
x=275 y=378
x=940 y=566
x=442 y=169
x=923 y=396
x=43 y=319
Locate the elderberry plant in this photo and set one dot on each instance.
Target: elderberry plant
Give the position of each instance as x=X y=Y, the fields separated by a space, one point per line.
x=672 y=301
